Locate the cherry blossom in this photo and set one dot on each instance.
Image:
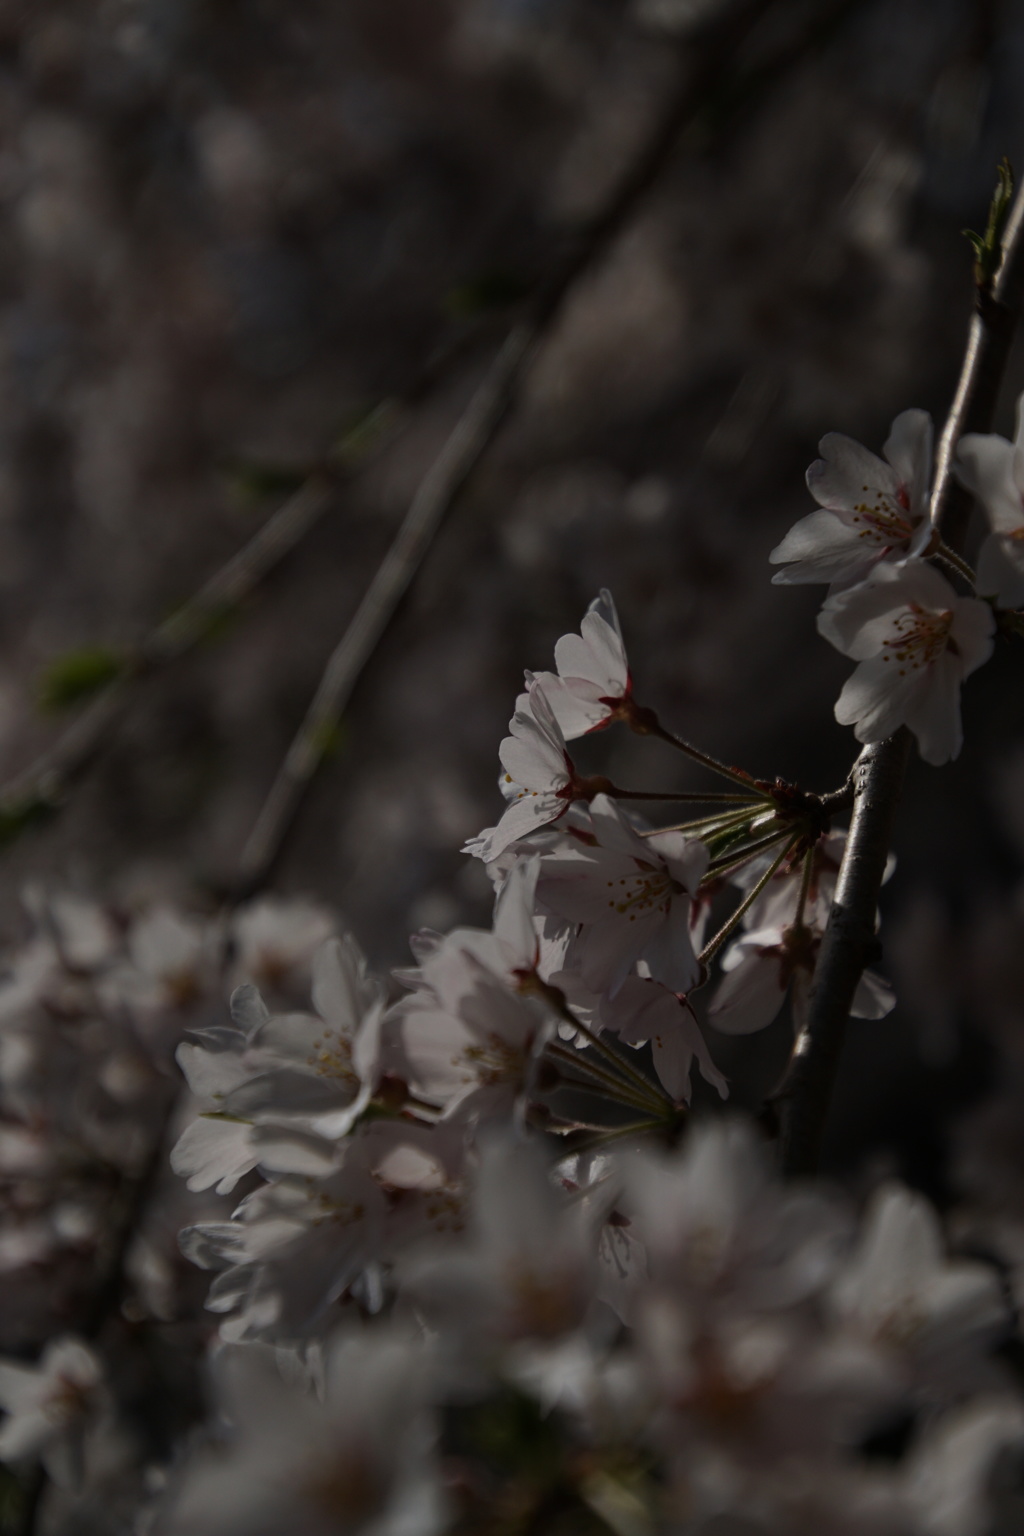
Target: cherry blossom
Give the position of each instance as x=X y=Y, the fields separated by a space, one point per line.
x=915 y=641
x=643 y=1012
x=719 y=1226
x=172 y=955
x=541 y=782
x=632 y=896
x=874 y=509
x=320 y=1069
x=470 y=1042
x=291 y=1248
x=949 y=1474
x=992 y=469
x=527 y=1267
x=300 y=1241
x=760 y=967
x=934 y=1314
x=311 y=1073
x=276 y=940
x=50 y=1407
x=354 y=1458
x=216 y=1148
x=592 y=686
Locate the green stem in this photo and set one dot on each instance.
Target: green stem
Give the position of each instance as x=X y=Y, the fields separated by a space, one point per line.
x=711 y=824
x=636 y=1129
x=730 y=861
x=682 y=795
x=712 y=947
x=643 y=1083
x=612 y=1085
x=805 y=886
x=950 y=556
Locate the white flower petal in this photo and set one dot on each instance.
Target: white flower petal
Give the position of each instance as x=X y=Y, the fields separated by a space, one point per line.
x=749 y=996
x=909 y=451
x=985 y=465
x=846 y=472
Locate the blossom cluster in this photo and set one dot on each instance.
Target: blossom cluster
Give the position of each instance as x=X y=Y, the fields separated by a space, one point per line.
x=93 y=1004
x=914 y=635
x=485 y=1252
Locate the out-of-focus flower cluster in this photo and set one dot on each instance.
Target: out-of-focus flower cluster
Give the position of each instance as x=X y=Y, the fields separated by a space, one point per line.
x=92 y=1006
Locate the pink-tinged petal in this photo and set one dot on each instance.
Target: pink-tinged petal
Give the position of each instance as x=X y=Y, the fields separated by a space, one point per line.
x=985 y=466
x=934 y=715
x=435 y=1045
x=909 y=450
x=1001 y=570
x=874 y=998
x=601 y=626
x=366 y=1051
x=919 y=582
x=847 y=474
x=521 y=818
x=749 y=997
x=248 y=1010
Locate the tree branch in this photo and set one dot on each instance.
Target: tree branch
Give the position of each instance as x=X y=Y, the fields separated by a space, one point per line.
x=849 y=938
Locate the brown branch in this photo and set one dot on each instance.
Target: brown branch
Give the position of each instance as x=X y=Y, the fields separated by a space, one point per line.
x=707 y=79
x=849 y=938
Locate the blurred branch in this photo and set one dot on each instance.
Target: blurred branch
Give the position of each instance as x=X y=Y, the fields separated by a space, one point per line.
x=849 y=939
x=707 y=79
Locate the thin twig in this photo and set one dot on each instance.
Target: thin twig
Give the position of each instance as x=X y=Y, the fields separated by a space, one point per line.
x=590 y=1143
x=610 y=1084
x=706 y=761
x=849 y=937
x=712 y=947
x=653 y=1091
x=737 y=857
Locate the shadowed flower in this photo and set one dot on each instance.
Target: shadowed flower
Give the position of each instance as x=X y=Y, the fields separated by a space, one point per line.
x=916 y=641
